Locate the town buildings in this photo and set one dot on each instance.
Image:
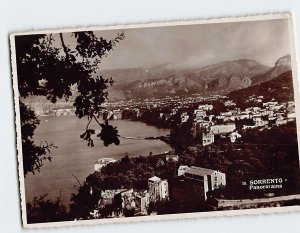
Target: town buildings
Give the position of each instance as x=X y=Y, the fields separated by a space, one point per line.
x=227 y=123
x=129 y=199
x=115 y=114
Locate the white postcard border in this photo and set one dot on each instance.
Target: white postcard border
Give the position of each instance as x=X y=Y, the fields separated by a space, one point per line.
x=285 y=15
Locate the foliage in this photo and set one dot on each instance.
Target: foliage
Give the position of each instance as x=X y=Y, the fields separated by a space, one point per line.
x=132 y=172
x=279 y=88
x=109 y=134
x=264 y=154
x=181 y=133
x=35 y=155
x=149 y=116
x=261 y=154
x=44 y=210
x=48 y=66
x=84 y=202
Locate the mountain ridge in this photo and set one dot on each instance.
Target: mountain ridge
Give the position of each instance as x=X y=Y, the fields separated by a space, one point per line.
x=164 y=80
x=279 y=88
x=222 y=78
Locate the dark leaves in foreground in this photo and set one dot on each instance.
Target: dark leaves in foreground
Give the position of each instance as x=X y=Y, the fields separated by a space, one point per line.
x=87 y=135
x=109 y=134
x=48 y=66
x=42 y=210
x=33 y=155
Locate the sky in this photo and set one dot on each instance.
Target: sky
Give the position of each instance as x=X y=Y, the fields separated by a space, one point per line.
x=194 y=46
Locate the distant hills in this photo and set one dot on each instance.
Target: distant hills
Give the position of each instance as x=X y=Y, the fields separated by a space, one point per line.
x=279 y=88
x=276 y=83
x=165 y=80
x=282 y=65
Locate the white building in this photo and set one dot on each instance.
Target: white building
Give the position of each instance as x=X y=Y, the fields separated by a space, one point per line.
x=207 y=139
x=182 y=170
x=142 y=199
x=158 y=189
x=243 y=115
x=184 y=118
x=234 y=136
x=173 y=158
x=229 y=103
x=103 y=162
x=222 y=129
x=291 y=115
x=226 y=114
x=205 y=107
x=258 y=121
x=210 y=179
x=281 y=122
x=200 y=113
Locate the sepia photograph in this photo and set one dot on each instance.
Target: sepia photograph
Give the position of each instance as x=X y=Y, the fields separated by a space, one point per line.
x=157 y=121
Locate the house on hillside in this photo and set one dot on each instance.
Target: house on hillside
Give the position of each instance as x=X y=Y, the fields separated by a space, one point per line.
x=184 y=117
x=182 y=170
x=258 y=121
x=173 y=158
x=199 y=114
x=222 y=128
x=193 y=184
x=205 y=107
x=207 y=139
x=229 y=103
x=234 y=136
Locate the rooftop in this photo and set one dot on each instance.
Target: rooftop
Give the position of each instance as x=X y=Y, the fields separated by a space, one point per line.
x=154 y=179
x=106 y=161
x=172 y=156
x=199 y=171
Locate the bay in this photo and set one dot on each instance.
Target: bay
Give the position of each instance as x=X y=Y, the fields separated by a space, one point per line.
x=73 y=156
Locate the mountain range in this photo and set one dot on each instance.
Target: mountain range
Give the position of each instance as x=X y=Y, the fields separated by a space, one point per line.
x=165 y=80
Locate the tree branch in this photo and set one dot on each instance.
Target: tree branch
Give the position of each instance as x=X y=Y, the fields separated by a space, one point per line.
x=76 y=179
x=87 y=126
x=49 y=42
x=64 y=46
x=96 y=120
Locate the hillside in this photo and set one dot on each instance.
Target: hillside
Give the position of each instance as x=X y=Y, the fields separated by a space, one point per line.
x=279 y=88
x=165 y=80
x=281 y=66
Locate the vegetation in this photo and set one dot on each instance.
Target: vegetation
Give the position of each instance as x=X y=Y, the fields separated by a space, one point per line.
x=148 y=116
x=50 y=67
x=126 y=173
x=45 y=210
x=132 y=172
x=181 y=133
x=262 y=154
x=280 y=88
